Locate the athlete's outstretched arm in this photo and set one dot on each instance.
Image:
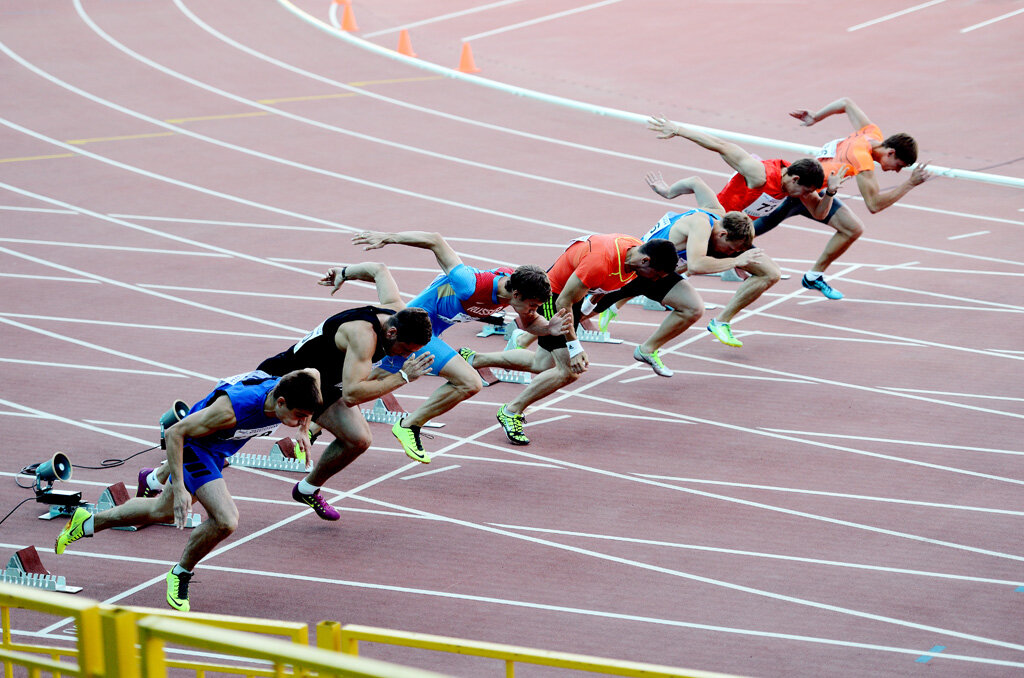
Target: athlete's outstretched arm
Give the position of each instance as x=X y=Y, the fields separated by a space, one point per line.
x=378 y=274
x=750 y=167
x=877 y=200
x=706 y=198
x=845 y=105
x=446 y=257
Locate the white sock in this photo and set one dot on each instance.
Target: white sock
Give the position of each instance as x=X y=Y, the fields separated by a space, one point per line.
x=178 y=569
x=813 y=275
x=89 y=526
x=152 y=482
x=306 y=488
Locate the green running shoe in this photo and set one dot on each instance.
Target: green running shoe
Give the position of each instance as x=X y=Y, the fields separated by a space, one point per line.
x=606 y=318
x=513 y=425
x=654 y=361
x=467 y=355
x=723 y=333
x=177 y=590
x=410 y=439
x=73 y=531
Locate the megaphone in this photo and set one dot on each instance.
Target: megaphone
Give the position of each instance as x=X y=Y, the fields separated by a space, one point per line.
x=171 y=417
x=58 y=468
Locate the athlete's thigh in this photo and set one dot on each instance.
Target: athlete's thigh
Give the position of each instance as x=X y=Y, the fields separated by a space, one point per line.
x=345 y=422
x=683 y=297
x=458 y=371
x=543 y=359
x=765 y=266
x=217 y=501
x=845 y=221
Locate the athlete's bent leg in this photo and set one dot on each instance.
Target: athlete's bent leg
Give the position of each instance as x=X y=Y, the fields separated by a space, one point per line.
x=848 y=228
x=221 y=522
x=546 y=382
x=352 y=437
x=463 y=382
x=763 y=274
x=687 y=308
x=137 y=511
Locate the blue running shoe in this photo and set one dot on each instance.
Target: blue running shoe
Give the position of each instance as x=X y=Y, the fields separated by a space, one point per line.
x=822 y=287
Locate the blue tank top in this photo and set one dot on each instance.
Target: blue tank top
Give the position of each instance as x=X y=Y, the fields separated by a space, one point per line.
x=247 y=392
x=665 y=224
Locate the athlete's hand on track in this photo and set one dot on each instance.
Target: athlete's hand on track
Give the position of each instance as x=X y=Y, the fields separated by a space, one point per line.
x=182 y=503
x=579 y=363
x=372 y=239
x=416 y=367
x=920 y=175
x=752 y=255
x=804 y=116
x=560 y=322
x=332 y=279
x=657 y=183
x=661 y=125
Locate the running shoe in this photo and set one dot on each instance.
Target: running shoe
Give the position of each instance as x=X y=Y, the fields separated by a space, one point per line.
x=144 y=490
x=723 y=333
x=654 y=361
x=822 y=287
x=467 y=355
x=316 y=502
x=513 y=425
x=410 y=439
x=513 y=339
x=606 y=318
x=73 y=531
x=177 y=590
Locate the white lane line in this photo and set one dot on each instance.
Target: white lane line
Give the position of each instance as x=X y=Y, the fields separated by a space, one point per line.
x=956 y=394
x=836 y=495
x=538 y=20
x=772 y=556
x=903 y=265
x=450 y=467
x=967 y=235
x=915 y=443
x=72 y=422
x=112 y=248
x=350 y=132
x=432 y=20
x=217 y=222
x=15 y=208
x=991 y=21
x=894 y=15
x=545 y=607
x=739 y=588
x=73 y=366
x=48 y=278
x=162 y=328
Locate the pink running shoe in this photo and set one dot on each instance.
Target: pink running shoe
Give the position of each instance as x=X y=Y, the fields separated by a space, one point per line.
x=315 y=502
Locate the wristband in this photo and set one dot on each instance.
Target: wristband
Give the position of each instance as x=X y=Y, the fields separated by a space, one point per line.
x=343 y=270
x=831 y=195
x=574 y=348
x=588 y=305
x=404 y=375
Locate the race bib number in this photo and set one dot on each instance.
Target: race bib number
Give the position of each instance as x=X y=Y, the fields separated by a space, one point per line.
x=319 y=330
x=829 y=149
x=664 y=222
x=763 y=205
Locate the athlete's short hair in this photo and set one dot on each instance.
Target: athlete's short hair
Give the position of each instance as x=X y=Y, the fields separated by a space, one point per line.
x=737 y=228
x=808 y=172
x=662 y=254
x=531 y=282
x=905 y=147
x=413 y=325
x=300 y=390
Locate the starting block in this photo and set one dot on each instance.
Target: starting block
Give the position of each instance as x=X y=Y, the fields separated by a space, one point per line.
x=117 y=494
x=649 y=304
x=25 y=569
x=596 y=336
x=282 y=457
x=386 y=410
x=730 y=276
x=493 y=324
x=493 y=376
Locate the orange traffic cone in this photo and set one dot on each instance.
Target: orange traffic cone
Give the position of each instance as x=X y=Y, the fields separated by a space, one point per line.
x=348 y=19
x=466 y=64
x=405 y=44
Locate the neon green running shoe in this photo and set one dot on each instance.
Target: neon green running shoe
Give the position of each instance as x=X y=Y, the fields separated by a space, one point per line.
x=410 y=439
x=723 y=333
x=606 y=318
x=177 y=590
x=654 y=361
x=73 y=531
x=513 y=425
x=467 y=355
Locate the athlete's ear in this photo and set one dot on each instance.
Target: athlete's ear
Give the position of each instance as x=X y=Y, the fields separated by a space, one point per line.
x=390 y=331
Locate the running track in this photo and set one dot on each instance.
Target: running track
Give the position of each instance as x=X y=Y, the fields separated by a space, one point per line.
x=843 y=494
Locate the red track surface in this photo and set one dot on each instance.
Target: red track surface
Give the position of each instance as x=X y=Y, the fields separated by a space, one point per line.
x=842 y=494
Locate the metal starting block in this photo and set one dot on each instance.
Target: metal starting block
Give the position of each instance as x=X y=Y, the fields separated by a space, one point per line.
x=596 y=336
x=493 y=324
x=730 y=276
x=25 y=569
x=493 y=376
x=282 y=457
x=117 y=494
x=386 y=410
x=649 y=304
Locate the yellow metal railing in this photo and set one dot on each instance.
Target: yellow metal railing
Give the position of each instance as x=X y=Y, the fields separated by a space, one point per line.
x=287 y=658
x=347 y=638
